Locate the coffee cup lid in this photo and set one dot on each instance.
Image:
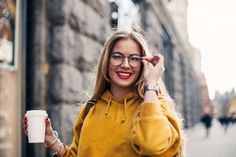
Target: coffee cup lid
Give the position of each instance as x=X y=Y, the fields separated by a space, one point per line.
x=36 y=112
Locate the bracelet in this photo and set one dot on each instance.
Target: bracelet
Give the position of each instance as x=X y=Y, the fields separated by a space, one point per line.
x=55 y=154
x=54 y=141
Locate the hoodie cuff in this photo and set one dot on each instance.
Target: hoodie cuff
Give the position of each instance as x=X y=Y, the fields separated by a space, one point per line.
x=151 y=109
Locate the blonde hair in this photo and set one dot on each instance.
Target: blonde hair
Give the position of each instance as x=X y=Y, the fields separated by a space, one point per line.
x=102 y=80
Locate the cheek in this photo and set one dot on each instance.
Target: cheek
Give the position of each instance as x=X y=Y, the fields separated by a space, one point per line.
x=111 y=71
x=139 y=71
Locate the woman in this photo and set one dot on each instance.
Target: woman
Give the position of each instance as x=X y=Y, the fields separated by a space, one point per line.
x=133 y=114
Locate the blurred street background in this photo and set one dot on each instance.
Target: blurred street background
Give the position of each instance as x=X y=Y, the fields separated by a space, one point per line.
x=50 y=48
x=219 y=143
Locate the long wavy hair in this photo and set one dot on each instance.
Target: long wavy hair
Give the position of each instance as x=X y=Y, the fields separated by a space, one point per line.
x=102 y=78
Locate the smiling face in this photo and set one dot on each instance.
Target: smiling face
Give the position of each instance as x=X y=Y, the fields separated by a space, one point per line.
x=123 y=76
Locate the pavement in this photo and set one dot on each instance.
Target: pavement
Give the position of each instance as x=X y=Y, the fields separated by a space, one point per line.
x=218 y=144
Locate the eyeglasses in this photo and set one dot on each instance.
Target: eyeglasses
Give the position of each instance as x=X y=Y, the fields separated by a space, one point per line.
x=116 y=59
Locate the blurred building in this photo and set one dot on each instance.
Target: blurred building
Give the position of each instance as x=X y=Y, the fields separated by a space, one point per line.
x=59 y=44
x=11 y=78
x=232 y=107
x=183 y=61
x=178 y=11
x=224 y=103
x=207 y=105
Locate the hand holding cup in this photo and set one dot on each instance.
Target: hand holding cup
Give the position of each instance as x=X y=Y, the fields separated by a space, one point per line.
x=37 y=127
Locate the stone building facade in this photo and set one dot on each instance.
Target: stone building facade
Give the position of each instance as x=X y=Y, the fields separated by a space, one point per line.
x=64 y=40
x=180 y=76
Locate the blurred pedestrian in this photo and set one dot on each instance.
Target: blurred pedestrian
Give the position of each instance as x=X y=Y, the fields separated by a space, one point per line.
x=132 y=115
x=233 y=118
x=225 y=122
x=206 y=119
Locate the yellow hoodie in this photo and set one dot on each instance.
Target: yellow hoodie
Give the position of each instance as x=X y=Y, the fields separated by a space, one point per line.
x=125 y=128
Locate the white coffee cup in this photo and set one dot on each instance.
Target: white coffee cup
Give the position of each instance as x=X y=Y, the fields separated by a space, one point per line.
x=36 y=125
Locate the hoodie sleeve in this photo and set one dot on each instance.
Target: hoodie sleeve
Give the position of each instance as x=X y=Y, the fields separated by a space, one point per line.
x=155 y=131
x=72 y=150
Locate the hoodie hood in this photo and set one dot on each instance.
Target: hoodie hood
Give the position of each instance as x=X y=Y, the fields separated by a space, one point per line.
x=106 y=96
x=126 y=100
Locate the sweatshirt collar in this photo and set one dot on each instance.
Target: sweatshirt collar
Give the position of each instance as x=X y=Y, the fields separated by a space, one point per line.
x=108 y=97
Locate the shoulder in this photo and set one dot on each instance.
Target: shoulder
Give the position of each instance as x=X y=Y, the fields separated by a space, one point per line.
x=80 y=113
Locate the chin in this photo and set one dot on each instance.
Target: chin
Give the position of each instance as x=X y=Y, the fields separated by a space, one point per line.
x=125 y=85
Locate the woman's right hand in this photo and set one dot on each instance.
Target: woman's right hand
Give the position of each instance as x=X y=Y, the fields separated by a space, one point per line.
x=153 y=68
x=49 y=135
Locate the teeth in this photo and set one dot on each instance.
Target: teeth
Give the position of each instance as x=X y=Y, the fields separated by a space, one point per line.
x=123 y=74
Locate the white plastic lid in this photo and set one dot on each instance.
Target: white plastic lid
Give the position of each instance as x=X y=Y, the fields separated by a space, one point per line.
x=36 y=113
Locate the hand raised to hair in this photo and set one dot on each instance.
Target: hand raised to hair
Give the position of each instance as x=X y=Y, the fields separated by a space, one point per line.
x=153 y=68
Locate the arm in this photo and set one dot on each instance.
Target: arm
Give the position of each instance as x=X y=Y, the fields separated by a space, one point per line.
x=155 y=131
x=53 y=142
x=64 y=150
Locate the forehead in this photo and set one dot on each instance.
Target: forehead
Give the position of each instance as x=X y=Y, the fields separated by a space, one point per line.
x=127 y=46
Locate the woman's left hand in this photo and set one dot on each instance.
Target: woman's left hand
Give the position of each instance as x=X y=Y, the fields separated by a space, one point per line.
x=153 y=68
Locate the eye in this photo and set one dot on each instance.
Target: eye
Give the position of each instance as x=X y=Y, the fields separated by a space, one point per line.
x=135 y=58
x=117 y=56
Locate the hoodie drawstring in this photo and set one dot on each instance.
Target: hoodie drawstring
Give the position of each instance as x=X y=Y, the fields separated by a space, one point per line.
x=108 y=107
x=125 y=107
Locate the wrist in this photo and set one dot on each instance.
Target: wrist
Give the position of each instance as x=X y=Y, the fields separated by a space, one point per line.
x=151 y=87
x=58 y=149
x=52 y=139
x=150 y=81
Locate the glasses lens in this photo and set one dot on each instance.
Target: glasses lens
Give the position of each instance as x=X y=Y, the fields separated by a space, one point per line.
x=135 y=60
x=116 y=59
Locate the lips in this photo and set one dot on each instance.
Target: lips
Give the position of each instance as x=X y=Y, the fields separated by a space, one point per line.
x=124 y=75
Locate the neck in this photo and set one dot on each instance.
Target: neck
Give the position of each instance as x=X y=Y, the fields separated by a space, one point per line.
x=119 y=92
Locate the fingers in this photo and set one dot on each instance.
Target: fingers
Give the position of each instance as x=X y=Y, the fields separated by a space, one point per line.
x=153 y=59
x=144 y=63
x=161 y=63
x=49 y=130
x=161 y=59
x=25 y=125
x=150 y=57
x=153 y=67
x=47 y=121
x=147 y=64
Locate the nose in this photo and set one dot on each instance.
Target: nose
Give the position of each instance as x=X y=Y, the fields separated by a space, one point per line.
x=125 y=63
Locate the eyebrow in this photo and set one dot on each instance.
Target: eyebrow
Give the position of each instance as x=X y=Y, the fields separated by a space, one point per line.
x=123 y=54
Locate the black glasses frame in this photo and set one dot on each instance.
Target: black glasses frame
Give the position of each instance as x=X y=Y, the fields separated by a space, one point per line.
x=123 y=57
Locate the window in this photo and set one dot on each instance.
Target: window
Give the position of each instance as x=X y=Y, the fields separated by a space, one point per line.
x=8 y=26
